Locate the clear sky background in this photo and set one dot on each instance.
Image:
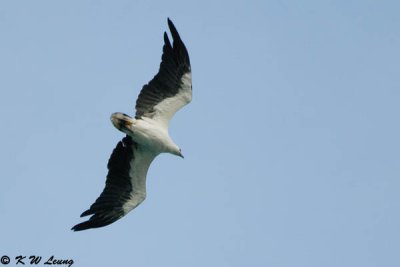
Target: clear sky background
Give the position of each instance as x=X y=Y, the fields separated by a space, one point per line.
x=291 y=142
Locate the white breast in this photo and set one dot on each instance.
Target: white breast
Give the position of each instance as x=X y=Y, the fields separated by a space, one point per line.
x=150 y=134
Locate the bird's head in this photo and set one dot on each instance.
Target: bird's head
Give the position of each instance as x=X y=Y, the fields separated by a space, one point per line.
x=177 y=151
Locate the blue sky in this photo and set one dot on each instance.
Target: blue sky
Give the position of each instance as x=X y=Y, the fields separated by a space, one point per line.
x=291 y=142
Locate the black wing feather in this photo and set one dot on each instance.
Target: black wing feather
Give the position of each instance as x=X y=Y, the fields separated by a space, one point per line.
x=175 y=63
x=108 y=206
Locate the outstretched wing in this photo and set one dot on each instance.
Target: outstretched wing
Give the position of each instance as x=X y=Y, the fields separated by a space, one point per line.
x=125 y=185
x=171 y=88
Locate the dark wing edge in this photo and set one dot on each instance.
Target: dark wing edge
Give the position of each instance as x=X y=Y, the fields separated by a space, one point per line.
x=166 y=83
x=108 y=207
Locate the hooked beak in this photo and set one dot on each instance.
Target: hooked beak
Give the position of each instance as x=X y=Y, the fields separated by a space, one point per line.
x=178 y=152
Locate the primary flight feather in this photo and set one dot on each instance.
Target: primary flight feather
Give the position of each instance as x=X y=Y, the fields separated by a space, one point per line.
x=146 y=136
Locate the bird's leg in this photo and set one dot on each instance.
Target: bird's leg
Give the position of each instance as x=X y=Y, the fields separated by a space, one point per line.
x=122 y=122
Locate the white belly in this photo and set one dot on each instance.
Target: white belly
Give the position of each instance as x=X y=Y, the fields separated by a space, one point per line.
x=151 y=135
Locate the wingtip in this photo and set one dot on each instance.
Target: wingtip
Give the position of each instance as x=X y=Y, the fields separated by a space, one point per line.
x=85 y=213
x=166 y=41
x=173 y=29
x=80 y=227
x=169 y=21
x=75 y=228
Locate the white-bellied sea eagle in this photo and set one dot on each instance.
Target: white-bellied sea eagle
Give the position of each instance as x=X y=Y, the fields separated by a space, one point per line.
x=146 y=136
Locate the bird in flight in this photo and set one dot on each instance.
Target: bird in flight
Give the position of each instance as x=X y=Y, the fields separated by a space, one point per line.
x=146 y=136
